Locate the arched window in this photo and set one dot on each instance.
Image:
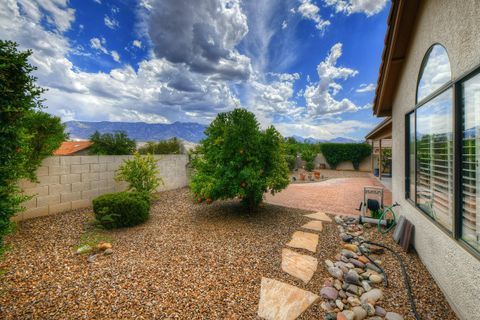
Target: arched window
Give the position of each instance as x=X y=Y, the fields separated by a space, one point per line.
x=434 y=73
x=431 y=127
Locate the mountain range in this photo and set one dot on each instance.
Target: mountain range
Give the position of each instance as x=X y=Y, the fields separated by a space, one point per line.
x=334 y=140
x=141 y=131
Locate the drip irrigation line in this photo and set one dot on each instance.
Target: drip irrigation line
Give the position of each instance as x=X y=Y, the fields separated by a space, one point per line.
x=406 y=278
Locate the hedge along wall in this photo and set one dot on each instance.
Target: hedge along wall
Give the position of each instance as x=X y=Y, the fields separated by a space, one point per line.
x=365 y=165
x=72 y=182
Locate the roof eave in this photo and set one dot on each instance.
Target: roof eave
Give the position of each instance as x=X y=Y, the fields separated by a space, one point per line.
x=400 y=26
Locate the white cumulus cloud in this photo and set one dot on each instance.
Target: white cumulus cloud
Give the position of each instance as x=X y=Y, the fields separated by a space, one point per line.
x=111 y=22
x=320 y=97
x=311 y=11
x=366 y=88
x=326 y=130
x=99 y=44
x=137 y=43
x=115 y=55
x=368 y=7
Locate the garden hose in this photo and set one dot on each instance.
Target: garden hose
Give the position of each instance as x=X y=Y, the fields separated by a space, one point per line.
x=406 y=278
x=390 y=225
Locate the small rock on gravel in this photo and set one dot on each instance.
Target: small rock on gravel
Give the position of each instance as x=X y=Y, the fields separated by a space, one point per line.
x=375 y=278
x=372 y=296
x=379 y=311
x=346 y=315
x=335 y=272
x=329 y=293
x=352 y=277
x=393 y=316
x=104 y=246
x=359 y=312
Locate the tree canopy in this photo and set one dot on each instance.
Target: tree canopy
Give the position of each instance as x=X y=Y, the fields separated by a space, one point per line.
x=237 y=159
x=117 y=143
x=27 y=135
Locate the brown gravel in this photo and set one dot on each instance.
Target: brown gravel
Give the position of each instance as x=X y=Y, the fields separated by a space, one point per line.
x=188 y=261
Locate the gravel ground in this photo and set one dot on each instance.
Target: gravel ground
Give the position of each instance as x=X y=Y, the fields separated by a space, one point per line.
x=188 y=261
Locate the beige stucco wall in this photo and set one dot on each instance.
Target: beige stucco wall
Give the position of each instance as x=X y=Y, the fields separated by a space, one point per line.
x=456 y=25
x=72 y=182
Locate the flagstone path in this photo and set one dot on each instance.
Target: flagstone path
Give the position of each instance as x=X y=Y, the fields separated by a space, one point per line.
x=304 y=240
x=282 y=301
x=298 y=265
x=279 y=300
x=319 y=216
x=314 y=225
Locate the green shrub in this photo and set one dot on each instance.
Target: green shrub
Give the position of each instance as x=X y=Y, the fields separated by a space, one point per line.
x=309 y=166
x=140 y=173
x=24 y=141
x=117 y=143
x=170 y=146
x=121 y=209
x=291 y=161
x=295 y=148
x=335 y=153
x=386 y=159
x=237 y=159
x=47 y=134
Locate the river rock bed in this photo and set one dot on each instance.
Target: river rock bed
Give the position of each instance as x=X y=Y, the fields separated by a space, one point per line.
x=355 y=288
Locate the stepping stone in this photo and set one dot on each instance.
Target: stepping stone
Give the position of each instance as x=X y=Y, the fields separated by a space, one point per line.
x=299 y=265
x=304 y=240
x=319 y=216
x=314 y=225
x=281 y=301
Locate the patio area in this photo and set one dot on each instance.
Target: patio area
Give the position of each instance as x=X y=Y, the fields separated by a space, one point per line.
x=341 y=196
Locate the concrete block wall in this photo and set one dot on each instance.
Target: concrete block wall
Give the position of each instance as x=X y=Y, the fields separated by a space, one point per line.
x=67 y=183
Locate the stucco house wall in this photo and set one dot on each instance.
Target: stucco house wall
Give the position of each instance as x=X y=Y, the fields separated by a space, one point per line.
x=455 y=25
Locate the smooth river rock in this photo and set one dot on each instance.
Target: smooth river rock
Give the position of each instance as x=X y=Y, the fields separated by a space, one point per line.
x=359 y=312
x=329 y=293
x=372 y=296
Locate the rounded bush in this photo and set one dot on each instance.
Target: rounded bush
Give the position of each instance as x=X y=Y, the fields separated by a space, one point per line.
x=121 y=209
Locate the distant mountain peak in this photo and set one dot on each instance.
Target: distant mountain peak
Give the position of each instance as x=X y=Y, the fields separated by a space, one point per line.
x=314 y=140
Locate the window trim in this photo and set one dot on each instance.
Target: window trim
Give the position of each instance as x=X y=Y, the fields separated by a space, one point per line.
x=408 y=183
x=455 y=84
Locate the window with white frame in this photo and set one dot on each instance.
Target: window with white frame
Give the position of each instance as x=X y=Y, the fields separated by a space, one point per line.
x=430 y=144
x=443 y=148
x=470 y=127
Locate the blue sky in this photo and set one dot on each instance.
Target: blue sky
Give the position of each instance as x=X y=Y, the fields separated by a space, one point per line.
x=309 y=67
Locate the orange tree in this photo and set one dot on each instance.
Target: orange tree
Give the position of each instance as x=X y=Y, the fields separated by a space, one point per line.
x=237 y=159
